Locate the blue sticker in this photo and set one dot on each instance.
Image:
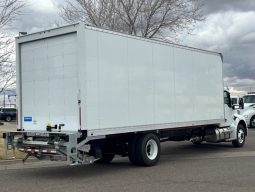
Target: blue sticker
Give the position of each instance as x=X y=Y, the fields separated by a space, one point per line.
x=28 y=119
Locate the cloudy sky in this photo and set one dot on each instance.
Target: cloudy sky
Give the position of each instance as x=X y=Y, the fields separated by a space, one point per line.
x=229 y=29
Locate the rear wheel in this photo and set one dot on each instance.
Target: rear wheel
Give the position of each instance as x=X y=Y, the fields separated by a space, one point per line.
x=252 y=122
x=239 y=142
x=132 y=150
x=8 y=118
x=148 y=150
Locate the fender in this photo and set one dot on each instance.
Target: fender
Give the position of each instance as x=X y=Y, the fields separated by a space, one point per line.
x=248 y=114
x=238 y=119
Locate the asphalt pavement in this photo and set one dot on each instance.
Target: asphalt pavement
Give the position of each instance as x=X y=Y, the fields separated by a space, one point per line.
x=8 y=126
x=183 y=167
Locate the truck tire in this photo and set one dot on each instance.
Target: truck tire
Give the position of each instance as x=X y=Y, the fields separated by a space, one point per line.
x=132 y=150
x=239 y=142
x=252 y=122
x=106 y=158
x=8 y=119
x=148 y=150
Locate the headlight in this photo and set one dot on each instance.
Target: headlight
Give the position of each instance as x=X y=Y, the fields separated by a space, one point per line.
x=246 y=116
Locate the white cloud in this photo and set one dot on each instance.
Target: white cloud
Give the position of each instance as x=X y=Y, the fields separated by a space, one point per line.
x=38 y=15
x=42 y=5
x=239 y=85
x=235 y=92
x=213 y=6
x=233 y=34
x=248 y=38
x=221 y=30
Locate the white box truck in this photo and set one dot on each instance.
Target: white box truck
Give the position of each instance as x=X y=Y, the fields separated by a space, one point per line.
x=87 y=94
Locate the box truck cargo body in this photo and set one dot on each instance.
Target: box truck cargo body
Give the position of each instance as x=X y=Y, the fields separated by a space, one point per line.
x=123 y=83
x=98 y=84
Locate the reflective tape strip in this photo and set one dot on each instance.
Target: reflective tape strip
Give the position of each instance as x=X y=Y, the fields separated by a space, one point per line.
x=38 y=150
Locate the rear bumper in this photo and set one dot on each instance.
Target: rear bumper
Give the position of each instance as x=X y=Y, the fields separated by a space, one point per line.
x=73 y=147
x=44 y=145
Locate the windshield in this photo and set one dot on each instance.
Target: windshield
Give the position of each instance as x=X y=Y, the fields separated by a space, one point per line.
x=234 y=100
x=249 y=99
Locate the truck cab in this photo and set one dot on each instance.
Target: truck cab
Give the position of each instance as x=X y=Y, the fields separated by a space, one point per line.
x=249 y=109
x=249 y=99
x=234 y=120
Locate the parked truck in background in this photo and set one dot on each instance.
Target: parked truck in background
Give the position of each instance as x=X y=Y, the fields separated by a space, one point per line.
x=249 y=99
x=249 y=109
x=249 y=115
x=87 y=94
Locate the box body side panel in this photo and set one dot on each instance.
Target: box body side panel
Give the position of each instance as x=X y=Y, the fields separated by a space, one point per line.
x=132 y=83
x=125 y=84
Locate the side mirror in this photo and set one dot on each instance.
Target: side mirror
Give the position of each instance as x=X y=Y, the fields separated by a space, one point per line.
x=241 y=103
x=229 y=101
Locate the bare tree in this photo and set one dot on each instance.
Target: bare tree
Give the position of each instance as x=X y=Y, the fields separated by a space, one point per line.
x=146 y=18
x=9 y=10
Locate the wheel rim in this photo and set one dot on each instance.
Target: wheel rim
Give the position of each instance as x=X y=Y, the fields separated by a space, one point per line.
x=8 y=119
x=241 y=136
x=151 y=149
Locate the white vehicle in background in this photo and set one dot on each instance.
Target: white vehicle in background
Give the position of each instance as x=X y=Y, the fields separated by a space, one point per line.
x=249 y=99
x=249 y=114
x=249 y=109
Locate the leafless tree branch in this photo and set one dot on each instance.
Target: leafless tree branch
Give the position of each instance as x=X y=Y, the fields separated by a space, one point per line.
x=9 y=10
x=146 y=18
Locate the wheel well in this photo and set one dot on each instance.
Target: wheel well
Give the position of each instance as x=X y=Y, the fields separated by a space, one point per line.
x=253 y=116
x=242 y=122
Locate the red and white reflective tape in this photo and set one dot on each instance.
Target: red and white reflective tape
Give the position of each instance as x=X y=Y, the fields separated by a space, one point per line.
x=39 y=150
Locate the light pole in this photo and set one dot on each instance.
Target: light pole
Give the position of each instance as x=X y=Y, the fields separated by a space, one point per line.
x=4 y=99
